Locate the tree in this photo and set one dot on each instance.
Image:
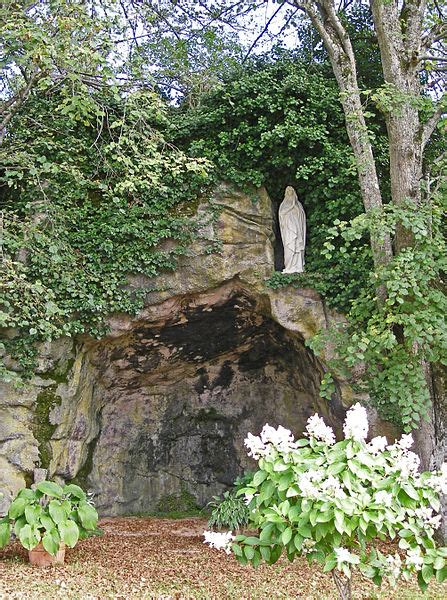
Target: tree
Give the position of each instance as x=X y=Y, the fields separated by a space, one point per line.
x=52 y=46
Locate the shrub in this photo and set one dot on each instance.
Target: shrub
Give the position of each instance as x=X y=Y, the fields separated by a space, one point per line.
x=331 y=501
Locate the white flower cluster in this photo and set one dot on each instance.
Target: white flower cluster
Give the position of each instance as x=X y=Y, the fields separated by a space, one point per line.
x=308 y=545
x=438 y=481
x=356 y=423
x=414 y=559
x=318 y=429
x=308 y=483
x=403 y=460
x=256 y=448
x=219 y=541
x=384 y=498
x=344 y=556
x=393 y=567
x=315 y=485
x=425 y=513
x=281 y=439
x=377 y=445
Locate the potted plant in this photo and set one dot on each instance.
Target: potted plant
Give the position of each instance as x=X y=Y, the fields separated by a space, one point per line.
x=48 y=518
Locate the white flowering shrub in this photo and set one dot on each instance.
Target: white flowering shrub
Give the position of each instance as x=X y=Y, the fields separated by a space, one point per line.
x=330 y=501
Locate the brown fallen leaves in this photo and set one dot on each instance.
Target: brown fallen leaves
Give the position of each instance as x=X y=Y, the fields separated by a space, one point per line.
x=142 y=558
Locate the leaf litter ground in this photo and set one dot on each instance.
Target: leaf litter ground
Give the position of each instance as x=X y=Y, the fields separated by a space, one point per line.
x=142 y=558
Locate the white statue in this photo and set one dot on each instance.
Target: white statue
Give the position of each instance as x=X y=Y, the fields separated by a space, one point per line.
x=292 y=222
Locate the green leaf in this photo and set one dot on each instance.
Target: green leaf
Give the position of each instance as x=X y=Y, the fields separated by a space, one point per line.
x=285 y=481
x=49 y=488
x=305 y=531
x=237 y=550
x=258 y=478
x=325 y=517
x=51 y=541
x=265 y=553
x=249 y=552
x=75 y=491
x=423 y=585
x=405 y=533
x=251 y=541
x=294 y=513
x=286 y=536
x=20 y=522
x=47 y=522
x=410 y=490
x=336 y=468
x=275 y=553
x=87 y=515
x=69 y=533
x=266 y=532
x=368 y=570
x=298 y=541
x=427 y=573
x=441 y=575
x=29 y=536
x=292 y=491
x=57 y=511
x=5 y=533
x=27 y=493
x=17 y=508
x=256 y=558
x=439 y=563
x=329 y=565
x=32 y=513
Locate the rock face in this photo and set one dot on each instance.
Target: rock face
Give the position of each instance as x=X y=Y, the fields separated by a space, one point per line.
x=159 y=408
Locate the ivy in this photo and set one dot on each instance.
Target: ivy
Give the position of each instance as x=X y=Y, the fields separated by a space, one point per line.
x=85 y=205
x=280 y=123
x=393 y=339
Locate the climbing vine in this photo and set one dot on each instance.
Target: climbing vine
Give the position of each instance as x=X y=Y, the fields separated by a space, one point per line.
x=86 y=202
x=394 y=338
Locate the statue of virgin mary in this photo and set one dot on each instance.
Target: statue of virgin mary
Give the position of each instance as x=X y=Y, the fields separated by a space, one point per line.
x=292 y=223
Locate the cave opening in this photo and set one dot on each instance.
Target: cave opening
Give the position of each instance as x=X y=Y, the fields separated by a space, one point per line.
x=172 y=400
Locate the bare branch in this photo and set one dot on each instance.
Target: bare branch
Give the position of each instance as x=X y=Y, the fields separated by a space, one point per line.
x=437 y=33
x=263 y=32
x=429 y=127
x=19 y=99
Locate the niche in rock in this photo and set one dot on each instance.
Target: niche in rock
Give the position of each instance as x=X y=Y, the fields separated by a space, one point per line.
x=164 y=408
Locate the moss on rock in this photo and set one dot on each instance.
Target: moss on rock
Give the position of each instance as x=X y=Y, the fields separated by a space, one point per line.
x=42 y=427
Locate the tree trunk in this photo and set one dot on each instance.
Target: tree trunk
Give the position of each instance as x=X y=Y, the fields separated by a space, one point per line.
x=341 y=55
x=343 y=584
x=399 y=35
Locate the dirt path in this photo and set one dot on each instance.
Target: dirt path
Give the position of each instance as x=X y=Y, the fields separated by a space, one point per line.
x=143 y=558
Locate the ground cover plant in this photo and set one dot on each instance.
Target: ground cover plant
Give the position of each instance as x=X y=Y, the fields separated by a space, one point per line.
x=331 y=501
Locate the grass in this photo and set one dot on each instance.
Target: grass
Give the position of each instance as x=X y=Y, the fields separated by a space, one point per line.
x=147 y=558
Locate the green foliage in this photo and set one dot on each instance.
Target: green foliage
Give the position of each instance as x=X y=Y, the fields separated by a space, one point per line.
x=178 y=505
x=53 y=45
x=229 y=511
x=333 y=501
x=83 y=207
x=50 y=514
x=392 y=339
x=281 y=123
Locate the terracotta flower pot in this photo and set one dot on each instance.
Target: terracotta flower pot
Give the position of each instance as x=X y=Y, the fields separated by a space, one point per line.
x=39 y=557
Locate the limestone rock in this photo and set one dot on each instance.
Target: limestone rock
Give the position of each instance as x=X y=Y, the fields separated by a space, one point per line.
x=160 y=407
